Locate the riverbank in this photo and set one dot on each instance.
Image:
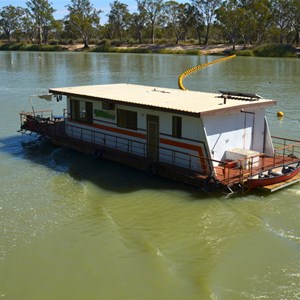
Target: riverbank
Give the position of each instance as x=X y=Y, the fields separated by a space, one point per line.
x=275 y=50
x=200 y=49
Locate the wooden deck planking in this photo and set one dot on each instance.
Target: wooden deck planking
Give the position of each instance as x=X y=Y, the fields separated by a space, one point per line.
x=235 y=175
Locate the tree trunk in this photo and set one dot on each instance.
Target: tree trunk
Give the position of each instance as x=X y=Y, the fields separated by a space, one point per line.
x=281 y=36
x=139 y=35
x=40 y=35
x=152 y=36
x=199 y=36
x=152 y=33
x=297 y=38
x=206 y=34
x=45 y=36
x=86 y=43
x=245 y=42
x=233 y=42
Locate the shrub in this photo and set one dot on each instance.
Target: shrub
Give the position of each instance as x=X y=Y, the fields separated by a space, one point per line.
x=192 y=41
x=53 y=42
x=30 y=47
x=116 y=43
x=102 y=48
x=244 y=53
x=103 y=42
x=275 y=50
x=170 y=51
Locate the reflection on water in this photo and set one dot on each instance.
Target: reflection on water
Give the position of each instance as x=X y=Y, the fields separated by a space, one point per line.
x=78 y=228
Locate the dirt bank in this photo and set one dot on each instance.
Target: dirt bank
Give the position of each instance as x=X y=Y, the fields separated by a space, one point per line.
x=209 y=49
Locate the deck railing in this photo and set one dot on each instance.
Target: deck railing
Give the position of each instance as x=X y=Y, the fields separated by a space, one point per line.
x=228 y=173
x=286 y=151
x=138 y=147
x=286 y=147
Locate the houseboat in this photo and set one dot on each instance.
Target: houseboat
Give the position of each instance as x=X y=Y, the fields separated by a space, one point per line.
x=216 y=141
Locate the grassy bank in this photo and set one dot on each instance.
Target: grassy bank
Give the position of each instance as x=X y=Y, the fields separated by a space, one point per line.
x=151 y=49
x=29 y=47
x=275 y=50
x=260 y=51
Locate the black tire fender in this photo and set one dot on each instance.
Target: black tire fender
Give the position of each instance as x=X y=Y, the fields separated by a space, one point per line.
x=98 y=153
x=153 y=169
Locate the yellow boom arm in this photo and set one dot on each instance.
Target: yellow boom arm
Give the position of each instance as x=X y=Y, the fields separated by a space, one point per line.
x=194 y=69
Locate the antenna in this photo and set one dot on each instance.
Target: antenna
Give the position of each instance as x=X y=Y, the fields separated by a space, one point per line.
x=130 y=74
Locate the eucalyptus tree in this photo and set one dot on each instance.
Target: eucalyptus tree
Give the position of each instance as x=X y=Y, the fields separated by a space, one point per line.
x=82 y=19
x=296 y=23
x=229 y=15
x=258 y=19
x=118 y=19
x=245 y=20
x=138 y=19
x=58 y=27
x=154 y=14
x=194 y=20
x=174 y=14
x=10 y=19
x=28 y=27
x=283 y=14
x=42 y=13
x=208 y=9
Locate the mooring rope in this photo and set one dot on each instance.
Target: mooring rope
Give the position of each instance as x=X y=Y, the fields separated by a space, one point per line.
x=194 y=69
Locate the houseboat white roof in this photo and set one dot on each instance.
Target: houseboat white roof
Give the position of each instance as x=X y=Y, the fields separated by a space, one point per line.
x=166 y=99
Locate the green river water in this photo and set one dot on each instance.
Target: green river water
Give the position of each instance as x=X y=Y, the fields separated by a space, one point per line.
x=75 y=228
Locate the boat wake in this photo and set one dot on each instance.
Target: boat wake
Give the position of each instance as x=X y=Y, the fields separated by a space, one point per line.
x=288 y=235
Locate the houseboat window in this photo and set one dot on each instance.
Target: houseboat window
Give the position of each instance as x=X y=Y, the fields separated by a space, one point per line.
x=177 y=127
x=81 y=111
x=127 y=119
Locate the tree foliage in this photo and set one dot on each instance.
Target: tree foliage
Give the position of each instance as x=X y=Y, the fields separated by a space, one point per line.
x=174 y=16
x=154 y=15
x=234 y=21
x=41 y=12
x=138 y=19
x=118 y=20
x=207 y=8
x=82 y=19
x=10 y=19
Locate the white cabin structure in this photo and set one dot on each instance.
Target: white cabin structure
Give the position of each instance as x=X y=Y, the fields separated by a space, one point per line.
x=190 y=122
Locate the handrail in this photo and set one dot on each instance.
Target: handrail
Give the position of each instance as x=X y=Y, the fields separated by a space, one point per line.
x=36 y=112
x=243 y=168
x=107 y=140
x=284 y=139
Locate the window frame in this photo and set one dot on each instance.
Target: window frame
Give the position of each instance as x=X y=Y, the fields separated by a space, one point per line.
x=127 y=119
x=81 y=110
x=177 y=127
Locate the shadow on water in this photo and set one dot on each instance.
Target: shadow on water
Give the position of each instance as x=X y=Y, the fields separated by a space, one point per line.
x=81 y=167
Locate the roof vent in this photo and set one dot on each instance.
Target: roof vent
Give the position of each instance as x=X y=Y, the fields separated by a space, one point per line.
x=239 y=96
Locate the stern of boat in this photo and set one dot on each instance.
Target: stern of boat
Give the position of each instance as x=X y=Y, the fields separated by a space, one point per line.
x=236 y=174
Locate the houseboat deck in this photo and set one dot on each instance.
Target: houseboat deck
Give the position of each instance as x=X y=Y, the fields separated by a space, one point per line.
x=226 y=175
